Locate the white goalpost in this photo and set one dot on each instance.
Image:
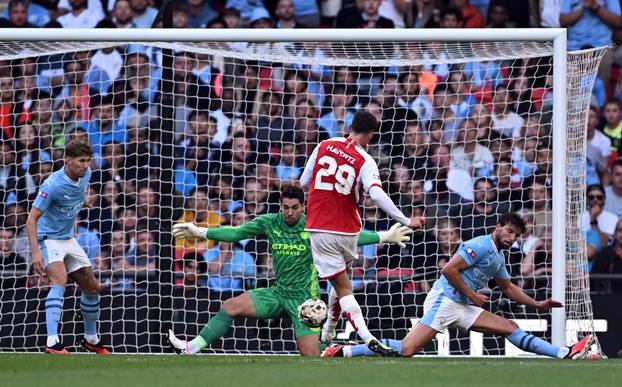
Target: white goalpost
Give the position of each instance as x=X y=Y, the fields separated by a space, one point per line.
x=208 y=125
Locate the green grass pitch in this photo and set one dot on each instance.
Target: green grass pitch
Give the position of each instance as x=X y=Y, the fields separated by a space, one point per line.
x=275 y=371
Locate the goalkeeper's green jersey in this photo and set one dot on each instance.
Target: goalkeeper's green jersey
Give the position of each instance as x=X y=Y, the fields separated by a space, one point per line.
x=290 y=249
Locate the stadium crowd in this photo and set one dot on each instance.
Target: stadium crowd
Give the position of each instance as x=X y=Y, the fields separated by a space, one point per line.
x=458 y=144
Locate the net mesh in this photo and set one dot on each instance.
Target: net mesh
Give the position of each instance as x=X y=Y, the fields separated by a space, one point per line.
x=210 y=132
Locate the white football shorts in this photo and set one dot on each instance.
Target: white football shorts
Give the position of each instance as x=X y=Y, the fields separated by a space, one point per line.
x=67 y=251
x=441 y=312
x=332 y=252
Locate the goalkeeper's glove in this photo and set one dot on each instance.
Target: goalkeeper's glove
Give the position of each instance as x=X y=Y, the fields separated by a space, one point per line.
x=188 y=230
x=396 y=234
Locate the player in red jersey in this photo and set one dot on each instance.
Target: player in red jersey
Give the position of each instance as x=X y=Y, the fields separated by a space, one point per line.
x=337 y=173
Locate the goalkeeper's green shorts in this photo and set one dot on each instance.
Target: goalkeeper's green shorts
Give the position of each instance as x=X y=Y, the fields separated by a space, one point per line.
x=269 y=305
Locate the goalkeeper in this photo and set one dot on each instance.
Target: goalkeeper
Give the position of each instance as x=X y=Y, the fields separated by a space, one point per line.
x=296 y=277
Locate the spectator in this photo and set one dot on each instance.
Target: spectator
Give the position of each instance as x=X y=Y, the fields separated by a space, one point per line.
x=548 y=15
x=538 y=196
x=504 y=119
x=338 y=119
x=108 y=60
x=367 y=16
x=118 y=249
x=307 y=13
x=536 y=267
x=609 y=261
x=470 y=156
x=224 y=116
x=245 y=9
x=439 y=199
x=447 y=241
x=273 y=124
x=143 y=14
x=228 y=264
x=198 y=211
x=426 y=15
x=595 y=217
x=8 y=171
x=502 y=173
x=122 y=14
x=394 y=117
x=80 y=16
x=451 y=18
x=89 y=241
x=147 y=209
x=104 y=128
x=470 y=15
x=143 y=256
x=256 y=199
x=9 y=260
x=200 y=13
x=15 y=218
x=395 y=10
x=9 y=106
x=194 y=266
x=10 y=263
x=222 y=193
x=414 y=97
x=596 y=138
x=260 y=18
x=308 y=135
x=285 y=14
x=613 y=125
x=478 y=217
x=499 y=16
x=414 y=153
x=180 y=15
x=614 y=191
x=589 y=22
x=232 y=17
x=287 y=170
x=22 y=14
x=76 y=87
x=126 y=219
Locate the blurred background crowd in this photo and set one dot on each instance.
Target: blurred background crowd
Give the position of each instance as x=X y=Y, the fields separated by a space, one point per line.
x=458 y=144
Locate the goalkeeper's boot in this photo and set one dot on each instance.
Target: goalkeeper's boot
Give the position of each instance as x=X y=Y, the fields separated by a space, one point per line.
x=96 y=348
x=57 y=349
x=580 y=349
x=179 y=346
x=334 y=351
x=382 y=349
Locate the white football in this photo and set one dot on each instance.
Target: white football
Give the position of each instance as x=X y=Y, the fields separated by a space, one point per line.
x=313 y=313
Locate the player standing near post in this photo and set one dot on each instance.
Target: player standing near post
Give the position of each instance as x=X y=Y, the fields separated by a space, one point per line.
x=296 y=279
x=337 y=173
x=454 y=300
x=55 y=250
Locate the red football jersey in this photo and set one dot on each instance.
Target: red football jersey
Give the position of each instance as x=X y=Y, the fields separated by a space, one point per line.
x=337 y=173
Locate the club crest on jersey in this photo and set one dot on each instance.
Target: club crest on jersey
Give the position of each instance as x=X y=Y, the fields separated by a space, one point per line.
x=471 y=253
x=43 y=194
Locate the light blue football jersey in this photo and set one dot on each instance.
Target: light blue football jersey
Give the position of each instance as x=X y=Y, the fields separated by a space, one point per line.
x=60 y=199
x=485 y=262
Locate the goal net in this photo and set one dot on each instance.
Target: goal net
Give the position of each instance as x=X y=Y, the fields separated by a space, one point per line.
x=210 y=132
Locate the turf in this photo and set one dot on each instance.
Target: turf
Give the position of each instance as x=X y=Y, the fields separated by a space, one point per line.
x=275 y=371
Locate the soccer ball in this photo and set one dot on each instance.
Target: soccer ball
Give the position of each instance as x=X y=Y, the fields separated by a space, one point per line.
x=313 y=313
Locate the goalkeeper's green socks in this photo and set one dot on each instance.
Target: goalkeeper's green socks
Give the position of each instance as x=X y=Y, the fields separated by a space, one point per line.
x=216 y=328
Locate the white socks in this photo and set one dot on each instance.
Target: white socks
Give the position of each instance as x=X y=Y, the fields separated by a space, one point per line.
x=563 y=351
x=352 y=312
x=52 y=340
x=91 y=339
x=329 y=326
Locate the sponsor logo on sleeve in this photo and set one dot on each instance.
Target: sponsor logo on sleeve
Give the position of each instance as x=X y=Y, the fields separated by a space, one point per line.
x=471 y=253
x=43 y=194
